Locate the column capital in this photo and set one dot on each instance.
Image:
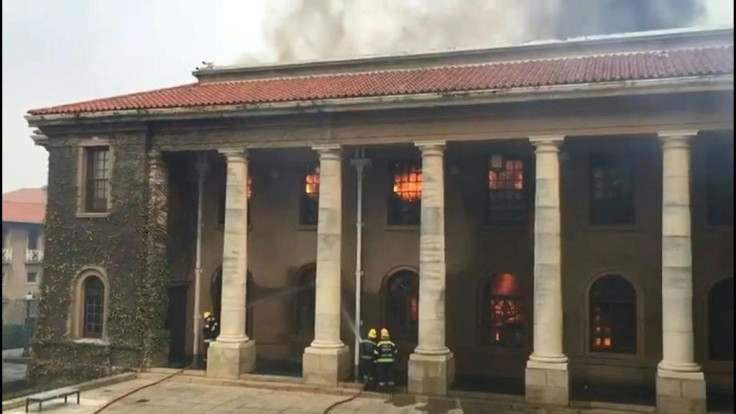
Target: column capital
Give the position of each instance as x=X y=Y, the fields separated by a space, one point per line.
x=234 y=154
x=431 y=148
x=547 y=140
x=676 y=139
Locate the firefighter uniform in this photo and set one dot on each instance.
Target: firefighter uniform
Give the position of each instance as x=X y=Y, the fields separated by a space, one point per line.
x=210 y=331
x=385 y=356
x=367 y=355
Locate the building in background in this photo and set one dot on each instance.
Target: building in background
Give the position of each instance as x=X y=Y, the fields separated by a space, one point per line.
x=23 y=216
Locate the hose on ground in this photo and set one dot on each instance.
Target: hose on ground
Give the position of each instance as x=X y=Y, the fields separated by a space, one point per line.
x=99 y=410
x=347 y=400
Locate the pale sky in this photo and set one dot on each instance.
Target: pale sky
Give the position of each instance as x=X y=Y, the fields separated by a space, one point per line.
x=63 y=51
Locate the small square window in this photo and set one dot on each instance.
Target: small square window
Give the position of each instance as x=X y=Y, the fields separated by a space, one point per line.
x=32 y=278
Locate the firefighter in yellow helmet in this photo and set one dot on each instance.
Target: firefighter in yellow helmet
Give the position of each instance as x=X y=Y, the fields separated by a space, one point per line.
x=210 y=331
x=385 y=356
x=367 y=350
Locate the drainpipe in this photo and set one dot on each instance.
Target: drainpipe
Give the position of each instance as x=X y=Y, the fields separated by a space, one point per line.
x=359 y=162
x=201 y=171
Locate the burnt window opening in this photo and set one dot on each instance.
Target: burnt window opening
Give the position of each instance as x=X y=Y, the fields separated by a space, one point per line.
x=309 y=198
x=720 y=321
x=612 y=315
x=94 y=301
x=97 y=180
x=611 y=190
x=305 y=304
x=404 y=203
x=502 y=312
x=719 y=186
x=402 y=305
x=506 y=191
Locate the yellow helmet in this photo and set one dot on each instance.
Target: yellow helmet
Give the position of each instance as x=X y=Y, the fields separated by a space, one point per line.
x=207 y=314
x=372 y=334
x=384 y=333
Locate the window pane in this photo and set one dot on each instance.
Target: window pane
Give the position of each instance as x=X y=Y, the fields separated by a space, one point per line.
x=503 y=312
x=611 y=190
x=402 y=305
x=93 y=307
x=309 y=205
x=97 y=180
x=506 y=201
x=404 y=205
x=720 y=321
x=613 y=315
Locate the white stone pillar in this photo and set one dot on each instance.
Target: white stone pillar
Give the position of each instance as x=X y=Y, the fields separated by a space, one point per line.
x=547 y=379
x=432 y=366
x=680 y=381
x=327 y=359
x=234 y=353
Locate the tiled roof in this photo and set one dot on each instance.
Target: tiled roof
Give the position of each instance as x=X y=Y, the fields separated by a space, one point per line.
x=703 y=61
x=27 y=205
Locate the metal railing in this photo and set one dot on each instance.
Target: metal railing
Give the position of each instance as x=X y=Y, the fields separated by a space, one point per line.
x=34 y=256
x=7 y=255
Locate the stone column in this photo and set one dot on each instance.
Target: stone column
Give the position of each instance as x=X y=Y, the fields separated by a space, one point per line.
x=547 y=380
x=327 y=359
x=432 y=366
x=157 y=271
x=680 y=381
x=234 y=353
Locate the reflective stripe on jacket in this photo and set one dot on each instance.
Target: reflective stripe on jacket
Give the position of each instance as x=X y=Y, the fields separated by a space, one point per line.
x=385 y=352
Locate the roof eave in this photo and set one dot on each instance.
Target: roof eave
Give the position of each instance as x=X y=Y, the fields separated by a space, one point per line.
x=434 y=99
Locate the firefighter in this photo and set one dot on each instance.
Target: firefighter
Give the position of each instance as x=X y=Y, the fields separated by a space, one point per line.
x=210 y=331
x=367 y=350
x=385 y=356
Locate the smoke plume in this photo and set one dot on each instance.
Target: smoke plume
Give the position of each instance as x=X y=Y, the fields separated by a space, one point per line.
x=323 y=29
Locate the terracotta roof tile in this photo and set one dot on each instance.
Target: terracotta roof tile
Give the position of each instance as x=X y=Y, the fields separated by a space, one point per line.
x=703 y=61
x=27 y=205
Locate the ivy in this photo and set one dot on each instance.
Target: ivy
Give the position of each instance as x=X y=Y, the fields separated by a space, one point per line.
x=129 y=245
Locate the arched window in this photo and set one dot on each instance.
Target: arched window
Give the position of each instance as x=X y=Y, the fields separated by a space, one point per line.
x=612 y=315
x=94 y=305
x=503 y=311
x=402 y=305
x=305 y=304
x=720 y=321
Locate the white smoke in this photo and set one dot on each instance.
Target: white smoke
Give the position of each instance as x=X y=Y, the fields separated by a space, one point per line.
x=298 y=30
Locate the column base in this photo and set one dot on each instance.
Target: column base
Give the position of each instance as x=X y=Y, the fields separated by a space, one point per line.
x=230 y=360
x=431 y=374
x=326 y=366
x=680 y=392
x=547 y=383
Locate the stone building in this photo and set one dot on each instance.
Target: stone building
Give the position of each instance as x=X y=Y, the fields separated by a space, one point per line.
x=548 y=219
x=23 y=214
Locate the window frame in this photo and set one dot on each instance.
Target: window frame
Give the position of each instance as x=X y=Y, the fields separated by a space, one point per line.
x=35 y=277
x=386 y=297
x=599 y=219
x=485 y=319
x=639 y=329
x=527 y=195
x=87 y=313
x=394 y=203
x=82 y=172
x=75 y=326
x=305 y=200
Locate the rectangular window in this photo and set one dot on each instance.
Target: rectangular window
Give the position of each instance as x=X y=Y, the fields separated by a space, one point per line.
x=309 y=202
x=32 y=278
x=720 y=186
x=33 y=234
x=611 y=190
x=506 y=201
x=97 y=179
x=404 y=203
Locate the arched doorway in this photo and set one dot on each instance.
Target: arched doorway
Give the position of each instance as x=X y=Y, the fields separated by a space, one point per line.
x=216 y=295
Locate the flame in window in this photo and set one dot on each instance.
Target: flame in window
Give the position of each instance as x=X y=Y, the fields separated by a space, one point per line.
x=408 y=183
x=311 y=185
x=511 y=177
x=602 y=338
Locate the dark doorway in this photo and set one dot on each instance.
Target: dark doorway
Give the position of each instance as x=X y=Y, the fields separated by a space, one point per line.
x=176 y=323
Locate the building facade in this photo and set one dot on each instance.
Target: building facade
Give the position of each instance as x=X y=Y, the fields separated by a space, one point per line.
x=538 y=219
x=23 y=215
